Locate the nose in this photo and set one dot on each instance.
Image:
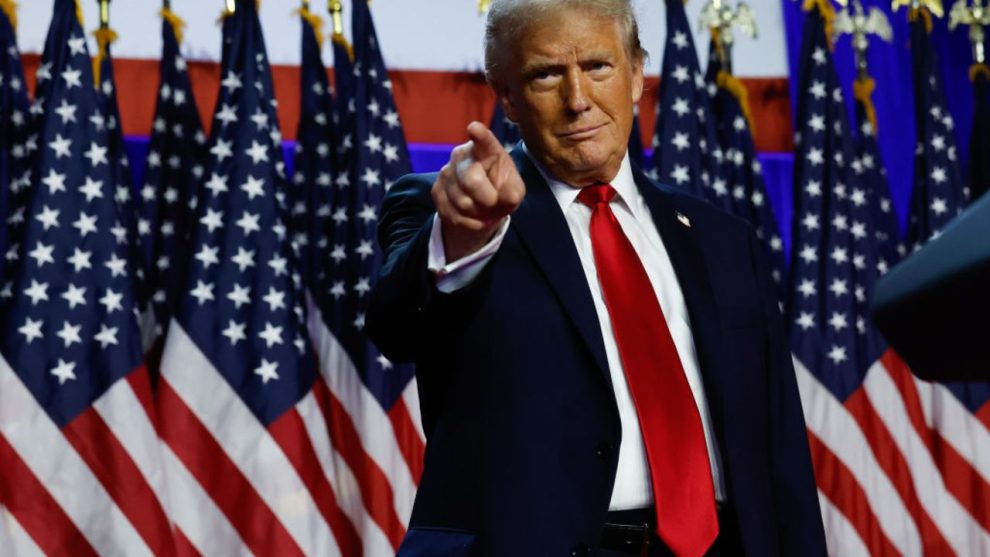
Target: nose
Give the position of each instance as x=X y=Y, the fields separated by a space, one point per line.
x=575 y=91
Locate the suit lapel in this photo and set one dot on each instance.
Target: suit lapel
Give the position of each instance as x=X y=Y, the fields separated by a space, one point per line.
x=681 y=242
x=543 y=230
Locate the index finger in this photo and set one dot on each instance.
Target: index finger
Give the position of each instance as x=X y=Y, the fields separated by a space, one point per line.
x=486 y=147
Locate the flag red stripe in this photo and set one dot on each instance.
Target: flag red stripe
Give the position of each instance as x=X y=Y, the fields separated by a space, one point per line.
x=983 y=415
x=410 y=443
x=896 y=468
x=376 y=492
x=960 y=478
x=35 y=509
x=140 y=382
x=840 y=486
x=184 y=547
x=464 y=95
x=121 y=478
x=289 y=433
x=964 y=483
x=233 y=494
x=901 y=376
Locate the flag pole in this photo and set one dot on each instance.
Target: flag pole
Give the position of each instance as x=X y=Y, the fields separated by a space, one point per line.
x=976 y=17
x=104 y=36
x=720 y=18
x=336 y=9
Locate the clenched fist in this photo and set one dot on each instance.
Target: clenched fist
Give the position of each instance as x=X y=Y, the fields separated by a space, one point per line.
x=475 y=191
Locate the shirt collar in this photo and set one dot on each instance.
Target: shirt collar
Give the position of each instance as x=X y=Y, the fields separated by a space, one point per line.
x=566 y=194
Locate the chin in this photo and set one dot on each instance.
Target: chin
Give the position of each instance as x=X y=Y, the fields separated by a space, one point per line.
x=590 y=159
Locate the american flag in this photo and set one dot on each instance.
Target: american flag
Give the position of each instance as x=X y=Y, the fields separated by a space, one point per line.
x=244 y=419
x=979 y=139
x=742 y=172
x=173 y=169
x=939 y=192
x=685 y=147
x=961 y=442
x=888 y=481
x=14 y=129
x=81 y=468
x=343 y=75
x=869 y=168
x=123 y=180
x=315 y=154
x=376 y=435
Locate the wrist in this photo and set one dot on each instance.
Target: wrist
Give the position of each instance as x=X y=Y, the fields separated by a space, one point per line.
x=460 y=242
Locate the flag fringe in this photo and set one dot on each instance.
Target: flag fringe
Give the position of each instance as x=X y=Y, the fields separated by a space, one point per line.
x=177 y=23
x=979 y=70
x=9 y=7
x=104 y=36
x=863 y=92
x=79 y=13
x=315 y=22
x=827 y=11
x=341 y=40
x=737 y=89
x=925 y=15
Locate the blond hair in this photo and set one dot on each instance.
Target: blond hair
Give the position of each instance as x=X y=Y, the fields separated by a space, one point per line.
x=508 y=18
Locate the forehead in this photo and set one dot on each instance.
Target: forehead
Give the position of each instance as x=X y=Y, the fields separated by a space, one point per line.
x=569 y=32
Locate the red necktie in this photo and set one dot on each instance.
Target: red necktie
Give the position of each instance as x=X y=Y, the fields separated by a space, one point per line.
x=684 y=496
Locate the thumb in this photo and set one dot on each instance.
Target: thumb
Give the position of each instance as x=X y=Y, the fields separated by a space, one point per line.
x=486 y=147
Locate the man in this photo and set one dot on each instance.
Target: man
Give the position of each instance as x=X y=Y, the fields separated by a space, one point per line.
x=601 y=363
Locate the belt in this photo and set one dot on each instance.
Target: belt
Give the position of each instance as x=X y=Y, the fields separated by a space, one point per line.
x=632 y=532
x=629 y=532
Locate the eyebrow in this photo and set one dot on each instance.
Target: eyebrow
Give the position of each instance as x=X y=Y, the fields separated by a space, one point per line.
x=545 y=64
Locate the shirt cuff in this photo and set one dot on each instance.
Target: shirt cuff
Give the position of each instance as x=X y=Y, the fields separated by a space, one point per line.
x=458 y=274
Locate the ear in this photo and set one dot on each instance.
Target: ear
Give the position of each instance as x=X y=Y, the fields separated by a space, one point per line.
x=508 y=105
x=637 y=78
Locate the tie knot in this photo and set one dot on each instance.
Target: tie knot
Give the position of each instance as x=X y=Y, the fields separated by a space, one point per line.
x=594 y=195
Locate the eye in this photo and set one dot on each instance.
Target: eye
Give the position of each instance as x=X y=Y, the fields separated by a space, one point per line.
x=599 y=67
x=541 y=75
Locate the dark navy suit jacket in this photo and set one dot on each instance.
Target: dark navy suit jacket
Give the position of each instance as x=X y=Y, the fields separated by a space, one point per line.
x=521 y=422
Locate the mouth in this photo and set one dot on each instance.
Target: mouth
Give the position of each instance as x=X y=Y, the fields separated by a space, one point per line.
x=580 y=134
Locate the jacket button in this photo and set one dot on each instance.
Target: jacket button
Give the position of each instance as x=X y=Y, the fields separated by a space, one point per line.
x=605 y=449
x=581 y=549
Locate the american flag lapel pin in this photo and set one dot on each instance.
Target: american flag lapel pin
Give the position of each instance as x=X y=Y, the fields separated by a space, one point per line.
x=684 y=220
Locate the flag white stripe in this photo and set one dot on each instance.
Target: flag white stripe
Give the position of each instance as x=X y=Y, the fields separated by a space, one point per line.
x=838 y=431
x=958 y=426
x=342 y=480
x=373 y=426
x=841 y=537
x=961 y=532
x=58 y=467
x=14 y=540
x=121 y=409
x=411 y=397
x=246 y=442
x=195 y=513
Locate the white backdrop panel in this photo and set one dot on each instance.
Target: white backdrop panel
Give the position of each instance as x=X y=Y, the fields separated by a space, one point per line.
x=442 y=35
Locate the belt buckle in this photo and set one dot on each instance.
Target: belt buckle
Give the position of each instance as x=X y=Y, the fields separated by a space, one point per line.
x=645 y=545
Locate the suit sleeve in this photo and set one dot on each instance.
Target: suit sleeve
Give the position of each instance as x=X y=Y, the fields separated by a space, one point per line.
x=795 y=495
x=408 y=317
x=398 y=315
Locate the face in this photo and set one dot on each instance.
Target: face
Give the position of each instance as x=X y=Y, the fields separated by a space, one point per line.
x=571 y=84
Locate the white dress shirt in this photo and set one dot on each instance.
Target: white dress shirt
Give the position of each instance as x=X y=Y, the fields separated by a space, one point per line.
x=632 y=481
